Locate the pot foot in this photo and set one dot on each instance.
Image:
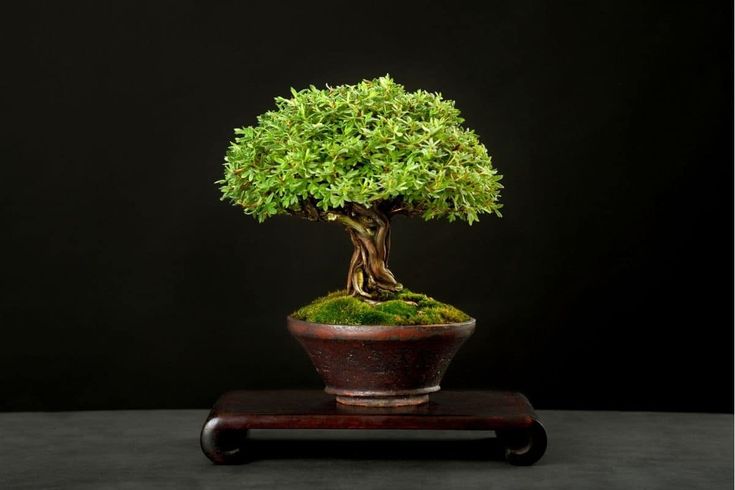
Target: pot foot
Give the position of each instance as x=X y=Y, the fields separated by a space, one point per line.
x=383 y=401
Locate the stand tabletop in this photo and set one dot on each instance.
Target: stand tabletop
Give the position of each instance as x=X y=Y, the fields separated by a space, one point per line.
x=312 y=409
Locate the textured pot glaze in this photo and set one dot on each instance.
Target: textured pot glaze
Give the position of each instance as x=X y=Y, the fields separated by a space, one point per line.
x=381 y=366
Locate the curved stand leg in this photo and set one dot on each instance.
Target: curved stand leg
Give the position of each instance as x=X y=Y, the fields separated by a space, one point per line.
x=224 y=446
x=523 y=447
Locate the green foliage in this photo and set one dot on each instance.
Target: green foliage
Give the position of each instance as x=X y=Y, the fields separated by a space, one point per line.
x=368 y=143
x=403 y=308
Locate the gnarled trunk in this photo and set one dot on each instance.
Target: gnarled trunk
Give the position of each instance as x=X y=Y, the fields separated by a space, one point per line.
x=368 y=275
x=369 y=230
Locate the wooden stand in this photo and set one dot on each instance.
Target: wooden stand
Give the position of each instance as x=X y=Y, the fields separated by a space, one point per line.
x=224 y=437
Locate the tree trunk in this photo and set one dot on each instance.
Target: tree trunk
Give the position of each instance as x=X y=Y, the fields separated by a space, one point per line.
x=368 y=275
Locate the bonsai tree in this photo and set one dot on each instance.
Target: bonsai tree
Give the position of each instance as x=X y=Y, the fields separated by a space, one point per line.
x=358 y=155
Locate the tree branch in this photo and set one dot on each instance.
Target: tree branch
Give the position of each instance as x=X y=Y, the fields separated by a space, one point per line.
x=348 y=222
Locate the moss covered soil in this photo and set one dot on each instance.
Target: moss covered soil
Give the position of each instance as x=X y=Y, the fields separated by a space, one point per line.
x=402 y=308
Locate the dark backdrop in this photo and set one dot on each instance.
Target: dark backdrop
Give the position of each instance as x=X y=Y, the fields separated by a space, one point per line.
x=127 y=283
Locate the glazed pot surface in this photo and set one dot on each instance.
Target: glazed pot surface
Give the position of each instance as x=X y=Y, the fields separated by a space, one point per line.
x=376 y=365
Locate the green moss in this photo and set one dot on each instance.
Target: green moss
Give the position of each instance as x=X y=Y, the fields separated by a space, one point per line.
x=403 y=308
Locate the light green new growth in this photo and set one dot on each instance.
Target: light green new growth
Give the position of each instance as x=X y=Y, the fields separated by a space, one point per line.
x=366 y=144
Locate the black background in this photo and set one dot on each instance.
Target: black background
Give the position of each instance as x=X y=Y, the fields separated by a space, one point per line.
x=127 y=283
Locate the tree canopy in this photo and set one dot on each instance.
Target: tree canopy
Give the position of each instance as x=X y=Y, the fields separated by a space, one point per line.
x=369 y=144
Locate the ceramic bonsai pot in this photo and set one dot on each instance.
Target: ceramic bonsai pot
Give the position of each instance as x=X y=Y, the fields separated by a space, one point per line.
x=381 y=366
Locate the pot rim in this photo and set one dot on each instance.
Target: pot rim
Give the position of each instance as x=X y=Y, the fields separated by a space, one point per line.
x=302 y=328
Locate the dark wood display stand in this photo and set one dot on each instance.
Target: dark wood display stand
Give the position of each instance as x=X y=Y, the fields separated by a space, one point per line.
x=224 y=437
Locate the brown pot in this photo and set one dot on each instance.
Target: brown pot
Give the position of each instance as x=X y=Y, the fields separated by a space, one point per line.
x=381 y=366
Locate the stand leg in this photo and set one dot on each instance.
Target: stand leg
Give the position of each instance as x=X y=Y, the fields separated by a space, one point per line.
x=523 y=447
x=224 y=446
